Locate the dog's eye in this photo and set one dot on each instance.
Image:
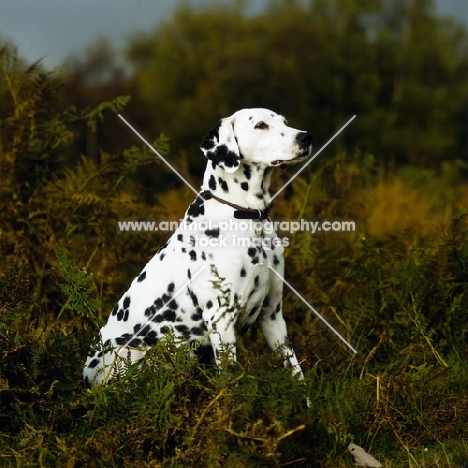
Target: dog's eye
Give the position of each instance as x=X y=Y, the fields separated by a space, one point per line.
x=261 y=126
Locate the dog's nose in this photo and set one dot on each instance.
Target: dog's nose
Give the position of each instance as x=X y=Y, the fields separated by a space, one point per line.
x=304 y=138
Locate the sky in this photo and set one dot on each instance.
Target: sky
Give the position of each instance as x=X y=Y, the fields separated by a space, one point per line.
x=55 y=29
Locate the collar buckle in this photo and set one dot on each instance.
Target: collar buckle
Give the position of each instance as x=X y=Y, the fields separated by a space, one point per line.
x=240 y=212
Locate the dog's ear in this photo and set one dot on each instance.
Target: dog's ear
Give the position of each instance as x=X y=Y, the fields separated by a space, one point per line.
x=220 y=146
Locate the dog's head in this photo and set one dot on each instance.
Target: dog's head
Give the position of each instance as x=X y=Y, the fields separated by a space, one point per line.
x=255 y=135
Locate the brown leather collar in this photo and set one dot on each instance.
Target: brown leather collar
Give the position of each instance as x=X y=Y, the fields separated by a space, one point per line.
x=240 y=212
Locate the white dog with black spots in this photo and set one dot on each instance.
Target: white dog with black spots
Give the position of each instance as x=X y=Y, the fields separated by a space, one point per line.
x=175 y=292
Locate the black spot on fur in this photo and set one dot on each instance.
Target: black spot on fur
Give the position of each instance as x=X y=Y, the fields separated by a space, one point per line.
x=212 y=182
x=127 y=340
x=252 y=311
x=211 y=138
x=114 y=310
x=193 y=296
x=171 y=287
x=247 y=171
x=222 y=154
x=93 y=363
x=137 y=328
x=198 y=315
x=142 y=277
x=252 y=251
x=180 y=237
x=209 y=305
x=193 y=255
x=197 y=208
x=151 y=338
x=161 y=257
x=198 y=331
x=126 y=302
x=245 y=186
x=135 y=342
x=275 y=260
x=223 y=184
x=120 y=314
x=150 y=311
x=126 y=314
x=173 y=305
x=243 y=273
x=169 y=315
x=212 y=232
x=183 y=330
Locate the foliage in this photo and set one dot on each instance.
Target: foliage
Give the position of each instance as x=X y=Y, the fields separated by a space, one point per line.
x=46 y=203
x=396 y=65
x=78 y=286
x=399 y=398
x=397 y=292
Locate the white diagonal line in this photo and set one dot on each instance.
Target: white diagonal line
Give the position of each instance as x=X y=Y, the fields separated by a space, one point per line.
x=312 y=158
x=160 y=156
x=314 y=311
x=164 y=305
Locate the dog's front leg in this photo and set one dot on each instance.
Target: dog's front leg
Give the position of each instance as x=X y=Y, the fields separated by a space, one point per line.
x=274 y=330
x=221 y=330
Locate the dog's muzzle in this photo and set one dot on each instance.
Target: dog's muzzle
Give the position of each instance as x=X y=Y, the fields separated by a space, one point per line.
x=304 y=142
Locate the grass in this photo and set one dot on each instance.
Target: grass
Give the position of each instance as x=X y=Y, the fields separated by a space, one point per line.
x=402 y=396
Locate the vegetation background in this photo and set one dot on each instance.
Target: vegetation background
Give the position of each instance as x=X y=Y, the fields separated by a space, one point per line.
x=396 y=288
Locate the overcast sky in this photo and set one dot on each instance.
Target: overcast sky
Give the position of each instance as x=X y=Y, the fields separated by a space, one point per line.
x=53 y=29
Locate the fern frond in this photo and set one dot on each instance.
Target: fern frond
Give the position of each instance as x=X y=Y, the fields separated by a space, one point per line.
x=78 y=286
x=115 y=105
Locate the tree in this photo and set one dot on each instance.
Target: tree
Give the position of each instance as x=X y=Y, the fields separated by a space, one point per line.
x=424 y=65
x=395 y=64
x=87 y=81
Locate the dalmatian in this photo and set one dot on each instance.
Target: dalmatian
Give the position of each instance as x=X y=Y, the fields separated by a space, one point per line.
x=221 y=270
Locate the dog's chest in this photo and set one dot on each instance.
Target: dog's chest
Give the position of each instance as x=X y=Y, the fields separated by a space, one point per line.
x=243 y=252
